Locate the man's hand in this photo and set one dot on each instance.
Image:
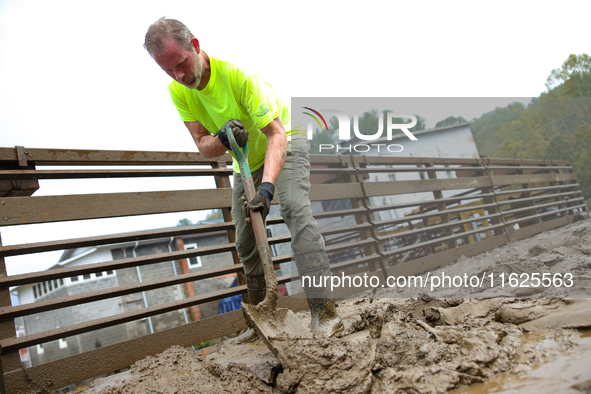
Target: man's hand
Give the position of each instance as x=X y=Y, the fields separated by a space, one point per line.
x=261 y=202
x=240 y=133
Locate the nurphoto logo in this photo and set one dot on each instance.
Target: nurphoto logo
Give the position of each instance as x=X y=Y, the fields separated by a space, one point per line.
x=367 y=135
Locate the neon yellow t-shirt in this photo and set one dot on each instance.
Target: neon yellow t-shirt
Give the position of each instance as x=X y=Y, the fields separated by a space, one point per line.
x=233 y=93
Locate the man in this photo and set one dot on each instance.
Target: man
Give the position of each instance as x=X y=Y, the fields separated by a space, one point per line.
x=211 y=94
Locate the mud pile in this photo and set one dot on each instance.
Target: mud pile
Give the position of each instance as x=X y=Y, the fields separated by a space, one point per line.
x=392 y=346
x=178 y=370
x=398 y=345
x=418 y=350
x=562 y=254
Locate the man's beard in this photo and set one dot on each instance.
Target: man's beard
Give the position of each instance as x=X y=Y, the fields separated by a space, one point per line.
x=196 y=72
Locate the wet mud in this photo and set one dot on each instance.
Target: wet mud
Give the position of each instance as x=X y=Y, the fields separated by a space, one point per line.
x=566 y=374
x=395 y=345
x=561 y=255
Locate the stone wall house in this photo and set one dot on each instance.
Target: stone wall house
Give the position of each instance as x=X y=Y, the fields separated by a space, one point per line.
x=47 y=290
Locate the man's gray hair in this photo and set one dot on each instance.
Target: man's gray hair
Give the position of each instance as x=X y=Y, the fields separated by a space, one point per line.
x=162 y=30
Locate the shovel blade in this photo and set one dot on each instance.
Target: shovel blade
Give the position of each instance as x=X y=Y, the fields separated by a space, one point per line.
x=274 y=324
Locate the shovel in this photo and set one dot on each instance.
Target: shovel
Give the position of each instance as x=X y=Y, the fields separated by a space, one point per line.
x=268 y=322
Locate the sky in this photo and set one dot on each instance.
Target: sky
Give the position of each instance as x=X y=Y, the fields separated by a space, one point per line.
x=74 y=74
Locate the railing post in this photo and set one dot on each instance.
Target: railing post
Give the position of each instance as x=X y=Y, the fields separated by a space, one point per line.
x=23 y=187
x=555 y=184
x=442 y=207
x=497 y=207
x=571 y=171
x=357 y=162
x=528 y=194
x=10 y=361
x=491 y=200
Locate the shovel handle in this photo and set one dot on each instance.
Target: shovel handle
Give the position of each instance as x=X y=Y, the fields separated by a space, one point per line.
x=258 y=226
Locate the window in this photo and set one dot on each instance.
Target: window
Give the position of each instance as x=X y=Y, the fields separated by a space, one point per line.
x=43 y=288
x=194 y=262
x=63 y=343
x=87 y=277
x=40 y=349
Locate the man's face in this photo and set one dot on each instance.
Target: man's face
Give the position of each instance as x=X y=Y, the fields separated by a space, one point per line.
x=182 y=65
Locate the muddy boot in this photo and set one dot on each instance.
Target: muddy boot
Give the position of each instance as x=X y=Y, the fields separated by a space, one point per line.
x=324 y=317
x=325 y=320
x=255 y=286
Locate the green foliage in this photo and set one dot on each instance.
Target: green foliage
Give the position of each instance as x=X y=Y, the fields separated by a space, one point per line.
x=450 y=121
x=421 y=122
x=486 y=127
x=554 y=126
x=184 y=222
x=215 y=214
x=369 y=122
x=572 y=79
x=203 y=345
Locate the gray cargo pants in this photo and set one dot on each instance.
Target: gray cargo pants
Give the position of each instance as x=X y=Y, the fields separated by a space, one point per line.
x=292 y=190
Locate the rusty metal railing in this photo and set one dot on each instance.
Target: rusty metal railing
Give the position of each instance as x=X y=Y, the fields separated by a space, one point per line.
x=386 y=215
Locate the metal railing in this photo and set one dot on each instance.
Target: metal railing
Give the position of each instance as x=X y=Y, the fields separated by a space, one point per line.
x=398 y=216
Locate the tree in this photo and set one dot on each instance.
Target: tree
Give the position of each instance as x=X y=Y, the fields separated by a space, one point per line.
x=421 y=122
x=486 y=128
x=554 y=126
x=450 y=121
x=184 y=222
x=577 y=69
x=369 y=122
x=215 y=214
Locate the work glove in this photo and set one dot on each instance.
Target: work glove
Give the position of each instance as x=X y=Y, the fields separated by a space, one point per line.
x=240 y=133
x=261 y=202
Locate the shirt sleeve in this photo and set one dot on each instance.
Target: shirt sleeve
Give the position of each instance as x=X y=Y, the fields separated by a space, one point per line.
x=259 y=100
x=180 y=102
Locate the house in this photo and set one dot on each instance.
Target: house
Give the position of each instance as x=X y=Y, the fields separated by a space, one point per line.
x=52 y=289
